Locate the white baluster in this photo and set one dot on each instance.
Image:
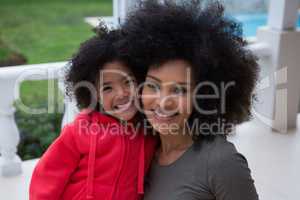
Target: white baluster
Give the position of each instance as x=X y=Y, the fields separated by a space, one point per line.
x=10 y=163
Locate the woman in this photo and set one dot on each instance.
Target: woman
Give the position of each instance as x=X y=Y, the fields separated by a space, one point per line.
x=198 y=87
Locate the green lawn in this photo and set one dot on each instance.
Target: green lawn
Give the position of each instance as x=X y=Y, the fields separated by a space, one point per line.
x=48 y=30
x=4 y=52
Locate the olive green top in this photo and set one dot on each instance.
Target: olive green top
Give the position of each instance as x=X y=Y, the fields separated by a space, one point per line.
x=215 y=171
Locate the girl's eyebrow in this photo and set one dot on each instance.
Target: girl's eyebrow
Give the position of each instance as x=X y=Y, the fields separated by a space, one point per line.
x=129 y=77
x=182 y=83
x=107 y=83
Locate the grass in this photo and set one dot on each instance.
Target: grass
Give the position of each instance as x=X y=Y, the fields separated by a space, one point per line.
x=46 y=31
x=4 y=53
x=36 y=93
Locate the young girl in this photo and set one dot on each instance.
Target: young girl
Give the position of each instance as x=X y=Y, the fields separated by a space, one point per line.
x=97 y=156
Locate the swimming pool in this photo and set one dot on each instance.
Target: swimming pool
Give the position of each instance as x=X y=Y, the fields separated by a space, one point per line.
x=251 y=22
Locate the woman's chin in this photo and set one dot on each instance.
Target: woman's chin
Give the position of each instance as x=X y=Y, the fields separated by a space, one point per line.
x=164 y=128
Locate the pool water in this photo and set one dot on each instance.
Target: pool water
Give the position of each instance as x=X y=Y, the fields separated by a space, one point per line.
x=251 y=22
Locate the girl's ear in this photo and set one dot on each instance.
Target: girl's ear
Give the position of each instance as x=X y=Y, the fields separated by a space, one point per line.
x=97 y=84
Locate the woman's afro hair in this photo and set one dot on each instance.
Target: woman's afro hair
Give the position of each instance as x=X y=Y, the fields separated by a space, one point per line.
x=210 y=42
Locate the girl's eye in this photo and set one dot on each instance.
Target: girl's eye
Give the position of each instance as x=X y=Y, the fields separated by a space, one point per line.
x=106 y=88
x=129 y=81
x=180 y=90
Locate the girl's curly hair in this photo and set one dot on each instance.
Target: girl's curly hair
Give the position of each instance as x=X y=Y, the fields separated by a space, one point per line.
x=106 y=46
x=210 y=42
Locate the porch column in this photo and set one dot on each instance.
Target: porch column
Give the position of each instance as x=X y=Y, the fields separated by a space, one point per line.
x=122 y=7
x=284 y=39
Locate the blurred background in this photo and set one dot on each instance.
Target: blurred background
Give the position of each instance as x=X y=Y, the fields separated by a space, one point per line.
x=44 y=34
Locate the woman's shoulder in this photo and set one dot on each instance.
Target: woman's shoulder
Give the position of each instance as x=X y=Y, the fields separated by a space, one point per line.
x=217 y=146
x=214 y=151
x=222 y=153
x=221 y=146
x=228 y=173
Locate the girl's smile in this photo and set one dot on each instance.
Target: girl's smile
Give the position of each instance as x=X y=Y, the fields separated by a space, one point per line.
x=117 y=91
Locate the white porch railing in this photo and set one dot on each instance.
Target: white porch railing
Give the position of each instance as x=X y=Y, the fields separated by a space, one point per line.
x=10 y=79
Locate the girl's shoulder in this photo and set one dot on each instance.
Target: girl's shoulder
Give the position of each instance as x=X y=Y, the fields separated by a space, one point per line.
x=85 y=125
x=90 y=118
x=94 y=116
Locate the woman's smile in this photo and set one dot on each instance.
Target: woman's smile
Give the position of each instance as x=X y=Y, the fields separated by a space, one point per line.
x=161 y=116
x=167 y=97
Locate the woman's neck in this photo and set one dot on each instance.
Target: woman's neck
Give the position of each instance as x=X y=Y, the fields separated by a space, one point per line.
x=173 y=147
x=175 y=142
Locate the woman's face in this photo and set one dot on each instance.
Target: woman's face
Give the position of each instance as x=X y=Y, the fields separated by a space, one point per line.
x=167 y=96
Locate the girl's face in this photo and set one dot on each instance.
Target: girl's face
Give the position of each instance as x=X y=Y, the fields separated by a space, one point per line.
x=167 y=96
x=117 y=91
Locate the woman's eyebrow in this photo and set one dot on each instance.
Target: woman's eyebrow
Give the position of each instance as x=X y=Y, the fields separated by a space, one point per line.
x=158 y=80
x=182 y=83
x=154 y=78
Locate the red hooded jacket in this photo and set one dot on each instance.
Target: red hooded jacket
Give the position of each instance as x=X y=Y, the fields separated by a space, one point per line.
x=93 y=158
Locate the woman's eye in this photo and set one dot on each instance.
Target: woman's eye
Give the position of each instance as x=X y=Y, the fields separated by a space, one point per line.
x=152 y=86
x=180 y=90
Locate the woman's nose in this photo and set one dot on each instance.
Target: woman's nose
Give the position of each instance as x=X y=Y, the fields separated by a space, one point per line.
x=166 y=102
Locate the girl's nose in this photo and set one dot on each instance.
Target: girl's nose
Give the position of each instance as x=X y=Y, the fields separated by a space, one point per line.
x=121 y=92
